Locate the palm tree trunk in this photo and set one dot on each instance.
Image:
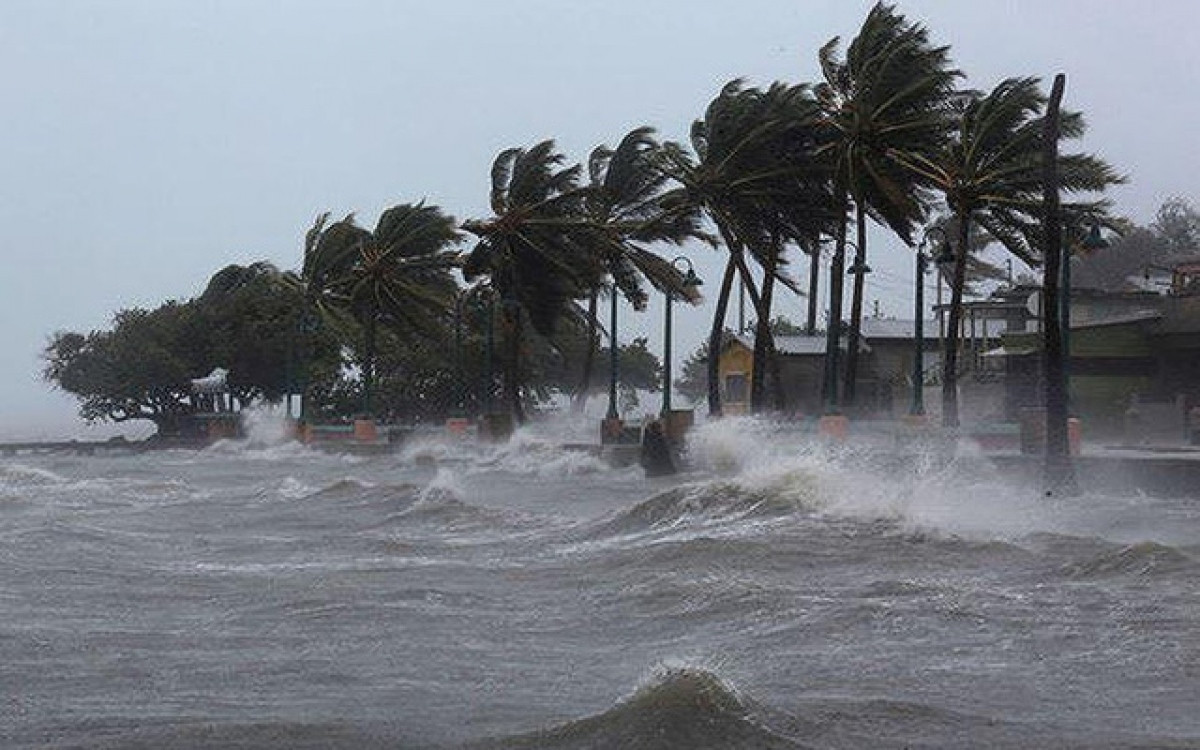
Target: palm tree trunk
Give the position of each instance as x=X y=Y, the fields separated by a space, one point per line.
x=369 y=361
x=860 y=264
x=814 y=278
x=837 y=271
x=714 y=339
x=748 y=283
x=589 y=356
x=950 y=356
x=512 y=380
x=762 y=335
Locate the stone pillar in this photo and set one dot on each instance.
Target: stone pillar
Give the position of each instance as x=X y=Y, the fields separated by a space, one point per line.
x=833 y=426
x=365 y=431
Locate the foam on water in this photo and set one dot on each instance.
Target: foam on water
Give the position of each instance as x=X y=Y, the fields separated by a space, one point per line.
x=923 y=492
x=22 y=475
x=529 y=453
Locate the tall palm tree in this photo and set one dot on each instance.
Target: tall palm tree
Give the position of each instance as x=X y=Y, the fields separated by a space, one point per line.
x=885 y=100
x=755 y=176
x=535 y=249
x=990 y=172
x=399 y=275
x=623 y=202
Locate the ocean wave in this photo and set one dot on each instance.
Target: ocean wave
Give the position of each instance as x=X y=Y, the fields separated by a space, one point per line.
x=22 y=475
x=1145 y=559
x=527 y=454
x=683 y=708
x=707 y=503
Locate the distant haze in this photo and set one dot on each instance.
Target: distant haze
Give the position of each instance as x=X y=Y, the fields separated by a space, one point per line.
x=148 y=143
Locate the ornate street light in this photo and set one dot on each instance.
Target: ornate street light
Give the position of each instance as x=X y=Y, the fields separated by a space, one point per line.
x=1089 y=243
x=833 y=337
x=918 y=397
x=690 y=281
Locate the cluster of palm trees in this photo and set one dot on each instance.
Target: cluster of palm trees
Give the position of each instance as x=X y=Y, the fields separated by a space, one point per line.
x=887 y=136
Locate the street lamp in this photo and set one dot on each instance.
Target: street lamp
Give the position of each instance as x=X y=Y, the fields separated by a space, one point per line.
x=1089 y=243
x=612 y=357
x=918 y=397
x=489 y=355
x=690 y=281
x=833 y=334
x=460 y=380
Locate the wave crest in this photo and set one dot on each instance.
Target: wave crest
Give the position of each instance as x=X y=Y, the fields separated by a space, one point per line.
x=682 y=708
x=1141 y=559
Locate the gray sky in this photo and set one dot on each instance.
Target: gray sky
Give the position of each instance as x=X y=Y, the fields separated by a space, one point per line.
x=145 y=144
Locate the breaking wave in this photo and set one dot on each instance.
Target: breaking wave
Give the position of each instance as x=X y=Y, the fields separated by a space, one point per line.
x=688 y=709
x=1145 y=559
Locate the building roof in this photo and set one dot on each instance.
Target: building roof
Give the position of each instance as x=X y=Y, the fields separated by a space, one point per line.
x=799 y=344
x=885 y=328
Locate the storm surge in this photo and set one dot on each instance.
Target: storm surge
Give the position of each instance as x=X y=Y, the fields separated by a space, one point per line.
x=779 y=593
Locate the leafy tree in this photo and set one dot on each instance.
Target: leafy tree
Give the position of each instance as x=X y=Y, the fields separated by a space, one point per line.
x=884 y=103
x=1178 y=224
x=141 y=368
x=138 y=370
x=1143 y=251
x=536 y=249
x=990 y=173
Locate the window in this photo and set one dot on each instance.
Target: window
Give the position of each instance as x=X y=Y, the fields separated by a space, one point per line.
x=735 y=387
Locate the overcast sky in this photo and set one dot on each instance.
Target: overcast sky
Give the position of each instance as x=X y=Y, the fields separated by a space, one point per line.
x=145 y=144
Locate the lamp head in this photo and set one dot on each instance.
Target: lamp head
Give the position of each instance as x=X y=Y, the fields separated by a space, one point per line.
x=945 y=256
x=1093 y=240
x=691 y=280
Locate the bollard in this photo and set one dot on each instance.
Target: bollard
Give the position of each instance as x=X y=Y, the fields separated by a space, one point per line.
x=834 y=426
x=365 y=431
x=457 y=426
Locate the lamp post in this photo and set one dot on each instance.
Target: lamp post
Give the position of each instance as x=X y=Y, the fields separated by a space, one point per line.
x=1090 y=242
x=460 y=379
x=489 y=383
x=833 y=334
x=690 y=281
x=918 y=397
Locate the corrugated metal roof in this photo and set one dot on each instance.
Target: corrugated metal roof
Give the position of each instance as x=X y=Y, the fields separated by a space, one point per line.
x=799 y=344
x=882 y=328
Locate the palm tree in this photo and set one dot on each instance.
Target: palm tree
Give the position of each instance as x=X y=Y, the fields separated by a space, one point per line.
x=990 y=173
x=535 y=250
x=886 y=100
x=755 y=176
x=623 y=203
x=400 y=275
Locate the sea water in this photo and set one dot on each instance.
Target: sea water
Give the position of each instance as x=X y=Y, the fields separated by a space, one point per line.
x=780 y=593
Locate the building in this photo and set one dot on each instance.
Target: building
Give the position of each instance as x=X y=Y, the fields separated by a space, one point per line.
x=886 y=358
x=1132 y=355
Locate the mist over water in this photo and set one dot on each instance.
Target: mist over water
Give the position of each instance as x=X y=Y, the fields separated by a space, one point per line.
x=780 y=593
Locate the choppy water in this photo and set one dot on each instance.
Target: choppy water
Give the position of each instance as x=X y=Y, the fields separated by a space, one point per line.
x=780 y=595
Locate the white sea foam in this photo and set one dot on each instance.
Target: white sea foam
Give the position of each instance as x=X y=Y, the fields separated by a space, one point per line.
x=22 y=475
x=952 y=494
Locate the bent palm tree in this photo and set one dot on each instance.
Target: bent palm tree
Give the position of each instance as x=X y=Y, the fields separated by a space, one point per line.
x=885 y=101
x=990 y=173
x=399 y=275
x=535 y=249
x=623 y=203
x=756 y=177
